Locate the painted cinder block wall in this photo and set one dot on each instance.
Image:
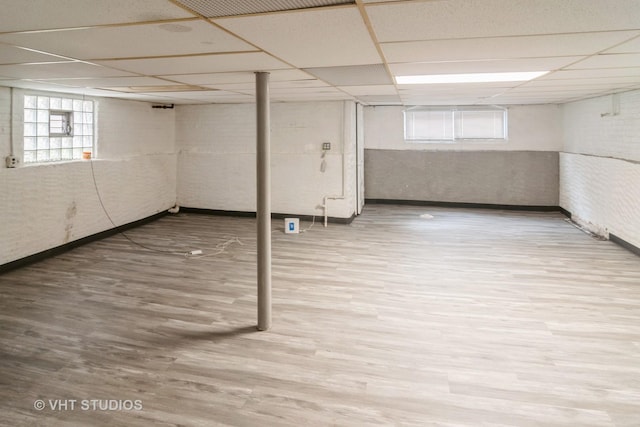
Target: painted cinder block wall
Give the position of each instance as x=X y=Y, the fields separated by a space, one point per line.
x=217 y=157
x=47 y=205
x=521 y=171
x=600 y=164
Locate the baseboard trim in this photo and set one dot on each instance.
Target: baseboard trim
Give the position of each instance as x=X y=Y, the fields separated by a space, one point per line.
x=48 y=253
x=621 y=242
x=465 y=205
x=565 y=212
x=331 y=219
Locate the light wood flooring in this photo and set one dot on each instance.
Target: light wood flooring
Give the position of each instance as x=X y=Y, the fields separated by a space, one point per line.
x=471 y=318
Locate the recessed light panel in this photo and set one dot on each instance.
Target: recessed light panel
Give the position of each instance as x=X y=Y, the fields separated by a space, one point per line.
x=469 y=78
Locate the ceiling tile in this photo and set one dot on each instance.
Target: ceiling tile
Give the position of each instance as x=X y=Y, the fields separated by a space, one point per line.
x=216 y=9
x=239 y=77
x=370 y=90
x=433 y=20
x=160 y=39
x=59 y=70
x=602 y=81
x=109 y=82
x=595 y=73
x=253 y=61
x=503 y=47
x=15 y=55
x=621 y=60
x=374 y=74
x=380 y=99
x=310 y=38
x=509 y=65
x=632 y=46
x=48 y=14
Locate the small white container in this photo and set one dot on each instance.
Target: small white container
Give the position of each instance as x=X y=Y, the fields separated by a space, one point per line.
x=292 y=225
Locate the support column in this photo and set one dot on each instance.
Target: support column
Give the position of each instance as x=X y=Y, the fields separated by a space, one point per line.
x=263 y=213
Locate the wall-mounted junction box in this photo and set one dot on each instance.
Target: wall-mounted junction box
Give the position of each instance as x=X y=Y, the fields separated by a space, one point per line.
x=326 y=146
x=12 y=161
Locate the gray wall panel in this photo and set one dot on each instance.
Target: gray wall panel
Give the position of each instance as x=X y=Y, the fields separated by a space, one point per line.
x=528 y=178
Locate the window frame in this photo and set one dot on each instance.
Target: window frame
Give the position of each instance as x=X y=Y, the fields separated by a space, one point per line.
x=42 y=144
x=66 y=123
x=456 y=117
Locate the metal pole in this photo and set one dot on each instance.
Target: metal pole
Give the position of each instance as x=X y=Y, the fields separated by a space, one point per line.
x=263 y=213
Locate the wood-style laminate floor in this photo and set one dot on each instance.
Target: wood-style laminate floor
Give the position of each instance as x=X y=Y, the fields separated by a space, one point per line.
x=471 y=318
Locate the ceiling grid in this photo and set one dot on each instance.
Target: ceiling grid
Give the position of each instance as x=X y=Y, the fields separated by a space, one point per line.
x=197 y=51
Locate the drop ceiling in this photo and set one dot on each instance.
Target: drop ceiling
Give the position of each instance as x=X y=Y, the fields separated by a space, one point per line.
x=206 y=51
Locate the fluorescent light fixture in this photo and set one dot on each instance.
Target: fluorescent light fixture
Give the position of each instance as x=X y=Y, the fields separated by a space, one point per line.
x=469 y=78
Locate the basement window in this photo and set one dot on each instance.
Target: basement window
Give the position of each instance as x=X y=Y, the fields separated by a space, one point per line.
x=57 y=129
x=455 y=124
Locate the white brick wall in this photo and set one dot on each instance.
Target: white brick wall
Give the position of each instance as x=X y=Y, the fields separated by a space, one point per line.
x=47 y=205
x=600 y=168
x=586 y=131
x=217 y=157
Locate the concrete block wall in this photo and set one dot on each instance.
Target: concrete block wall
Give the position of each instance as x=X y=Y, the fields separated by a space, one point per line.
x=48 y=205
x=520 y=171
x=600 y=164
x=217 y=146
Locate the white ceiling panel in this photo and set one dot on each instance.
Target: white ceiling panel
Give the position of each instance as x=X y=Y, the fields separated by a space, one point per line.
x=370 y=90
x=309 y=38
x=453 y=91
x=247 y=87
x=441 y=100
x=14 y=55
x=509 y=65
x=239 y=77
x=632 y=46
x=380 y=99
x=504 y=47
x=253 y=61
x=374 y=74
x=592 y=74
x=621 y=60
x=50 y=87
x=433 y=20
x=215 y=96
x=161 y=39
x=110 y=82
x=595 y=82
x=302 y=97
x=49 y=14
x=59 y=70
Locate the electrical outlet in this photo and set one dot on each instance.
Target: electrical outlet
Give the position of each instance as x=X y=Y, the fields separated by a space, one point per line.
x=326 y=146
x=12 y=161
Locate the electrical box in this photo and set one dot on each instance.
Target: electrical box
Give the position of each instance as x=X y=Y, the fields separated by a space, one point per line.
x=12 y=161
x=326 y=146
x=292 y=225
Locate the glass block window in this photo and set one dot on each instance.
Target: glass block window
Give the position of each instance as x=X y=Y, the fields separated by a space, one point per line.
x=57 y=129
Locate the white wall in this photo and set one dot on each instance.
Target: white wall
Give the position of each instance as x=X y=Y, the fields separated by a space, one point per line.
x=531 y=128
x=47 y=205
x=217 y=160
x=600 y=164
x=521 y=171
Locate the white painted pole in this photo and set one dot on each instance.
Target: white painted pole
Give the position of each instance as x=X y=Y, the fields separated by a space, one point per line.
x=263 y=213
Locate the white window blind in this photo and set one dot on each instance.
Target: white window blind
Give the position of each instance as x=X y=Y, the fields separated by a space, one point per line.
x=450 y=124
